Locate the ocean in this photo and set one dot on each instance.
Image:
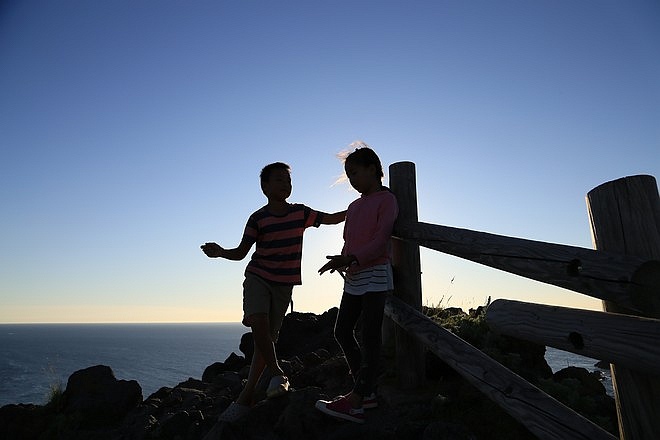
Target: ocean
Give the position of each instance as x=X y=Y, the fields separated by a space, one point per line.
x=36 y=357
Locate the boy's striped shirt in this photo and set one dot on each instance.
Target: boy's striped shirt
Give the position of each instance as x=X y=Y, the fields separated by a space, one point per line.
x=279 y=240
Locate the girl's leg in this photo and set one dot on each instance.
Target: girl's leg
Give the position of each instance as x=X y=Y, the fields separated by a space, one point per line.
x=349 y=313
x=373 y=305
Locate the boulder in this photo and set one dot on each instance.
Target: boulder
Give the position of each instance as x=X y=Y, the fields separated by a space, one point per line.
x=233 y=363
x=97 y=398
x=307 y=332
x=589 y=382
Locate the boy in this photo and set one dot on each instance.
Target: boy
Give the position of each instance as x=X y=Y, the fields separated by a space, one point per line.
x=273 y=270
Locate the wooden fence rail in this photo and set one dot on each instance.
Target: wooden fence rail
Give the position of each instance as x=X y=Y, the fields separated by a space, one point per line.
x=602 y=275
x=625 y=340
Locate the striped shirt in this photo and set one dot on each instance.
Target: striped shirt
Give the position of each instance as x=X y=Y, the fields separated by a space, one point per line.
x=279 y=240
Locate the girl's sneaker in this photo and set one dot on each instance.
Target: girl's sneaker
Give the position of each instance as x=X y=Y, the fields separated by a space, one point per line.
x=370 y=401
x=341 y=408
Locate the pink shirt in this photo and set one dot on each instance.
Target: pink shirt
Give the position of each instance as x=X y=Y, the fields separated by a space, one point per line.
x=368 y=229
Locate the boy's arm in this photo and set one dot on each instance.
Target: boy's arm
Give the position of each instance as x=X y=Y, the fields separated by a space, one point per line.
x=214 y=250
x=333 y=219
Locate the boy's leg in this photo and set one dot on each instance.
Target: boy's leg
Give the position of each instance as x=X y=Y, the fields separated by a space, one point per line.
x=264 y=356
x=256 y=300
x=263 y=342
x=257 y=367
x=264 y=306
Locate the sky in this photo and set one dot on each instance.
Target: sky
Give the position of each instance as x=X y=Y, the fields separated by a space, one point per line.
x=133 y=132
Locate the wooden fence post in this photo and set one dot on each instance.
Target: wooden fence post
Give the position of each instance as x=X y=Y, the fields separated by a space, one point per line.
x=625 y=218
x=410 y=353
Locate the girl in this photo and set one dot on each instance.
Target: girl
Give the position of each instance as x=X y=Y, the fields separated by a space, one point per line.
x=365 y=265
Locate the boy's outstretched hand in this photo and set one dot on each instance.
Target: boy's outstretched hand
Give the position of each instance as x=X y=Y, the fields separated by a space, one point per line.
x=337 y=263
x=212 y=250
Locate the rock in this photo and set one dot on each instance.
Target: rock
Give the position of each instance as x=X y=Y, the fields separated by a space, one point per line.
x=176 y=425
x=247 y=346
x=22 y=421
x=97 y=398
x=603 y=365
x=480 y=310
x=306 y=332
x=233 y=363
x=589 y=382
x=583 y=391
x=446 y=431
x=331 y=375
x=299 y=418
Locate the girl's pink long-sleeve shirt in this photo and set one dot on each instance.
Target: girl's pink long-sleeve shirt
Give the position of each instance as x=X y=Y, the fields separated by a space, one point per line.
x=368 y=229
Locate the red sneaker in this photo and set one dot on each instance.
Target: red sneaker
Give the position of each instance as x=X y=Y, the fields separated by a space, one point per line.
x=370 y=401
x=341 y=408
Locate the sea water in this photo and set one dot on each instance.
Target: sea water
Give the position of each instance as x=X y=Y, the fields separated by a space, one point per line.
x=34 y=358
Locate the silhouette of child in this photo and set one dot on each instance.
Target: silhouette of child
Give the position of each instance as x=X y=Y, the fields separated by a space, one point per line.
x=365 y=264
x=274 y=268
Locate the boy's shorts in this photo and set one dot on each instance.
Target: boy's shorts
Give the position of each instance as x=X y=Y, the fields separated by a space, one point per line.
x=260 y=296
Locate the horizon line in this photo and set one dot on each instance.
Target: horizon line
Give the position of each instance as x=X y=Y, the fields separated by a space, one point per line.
x=120 y=322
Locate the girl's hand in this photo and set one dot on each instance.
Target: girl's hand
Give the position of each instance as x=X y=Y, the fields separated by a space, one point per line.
x=337 y=263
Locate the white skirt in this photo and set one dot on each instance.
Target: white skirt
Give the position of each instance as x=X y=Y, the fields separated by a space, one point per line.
x=373 y=279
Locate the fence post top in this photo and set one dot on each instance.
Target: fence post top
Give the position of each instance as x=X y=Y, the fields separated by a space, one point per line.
x=402 y=167
x=403 y=163
x=641 y=178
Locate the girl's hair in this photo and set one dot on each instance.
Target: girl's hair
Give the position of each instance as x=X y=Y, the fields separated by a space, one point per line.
x=365 y=156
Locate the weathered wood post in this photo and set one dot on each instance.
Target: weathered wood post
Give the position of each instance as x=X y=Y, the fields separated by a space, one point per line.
x=625 y=218
x=407 y=276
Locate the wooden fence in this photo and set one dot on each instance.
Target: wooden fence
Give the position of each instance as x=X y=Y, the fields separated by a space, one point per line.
x=624 y=272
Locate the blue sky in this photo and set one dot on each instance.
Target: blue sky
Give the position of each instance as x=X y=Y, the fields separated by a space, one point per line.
x=132 y=132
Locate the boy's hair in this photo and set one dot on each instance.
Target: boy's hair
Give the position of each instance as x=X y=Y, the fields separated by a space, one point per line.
x=365 y=156
x=265 y=171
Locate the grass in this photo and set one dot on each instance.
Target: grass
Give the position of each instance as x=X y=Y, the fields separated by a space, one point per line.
x=55 y=396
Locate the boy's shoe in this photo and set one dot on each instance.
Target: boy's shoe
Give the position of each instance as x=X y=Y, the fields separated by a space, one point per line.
x=370 y=401
x=278 y=386
x=341 y=408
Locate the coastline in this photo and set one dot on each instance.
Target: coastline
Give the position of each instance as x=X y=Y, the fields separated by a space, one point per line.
x=317 y=370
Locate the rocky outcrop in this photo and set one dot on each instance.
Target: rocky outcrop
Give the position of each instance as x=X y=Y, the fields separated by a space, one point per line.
x=96 y=398
x=95 y=405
